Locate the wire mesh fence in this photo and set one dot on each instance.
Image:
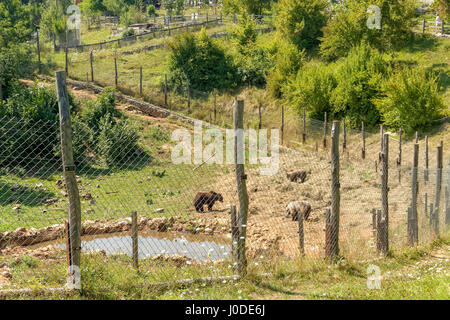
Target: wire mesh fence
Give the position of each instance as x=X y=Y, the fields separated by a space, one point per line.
x=141 y=210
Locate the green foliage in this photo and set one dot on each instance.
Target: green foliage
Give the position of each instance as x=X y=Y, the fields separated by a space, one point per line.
x=199 y=60
x=151 y=11
x=103 y=107
x=301 y=22
x=348 y=27
x=254 y=62
x=288 y=60
x=358 y=83
x=312 y=90
x=127 y=33
x=173 y=7
x=131 y=15
x=15 y=63
x=410 y=100
x=256 y=7
x=53 y=19
x=15 y=22
x=118 y=140
x=115 y=6
x=443 y=8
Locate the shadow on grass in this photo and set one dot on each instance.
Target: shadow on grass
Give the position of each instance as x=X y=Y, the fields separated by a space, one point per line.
x=421 y=43
x=15 y=193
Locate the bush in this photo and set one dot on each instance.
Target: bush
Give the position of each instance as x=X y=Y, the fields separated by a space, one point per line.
x=288 y=60
x=311 y=89
x=199 y=60
x=348 y=28
x=118 y=141
x=358 y=83
x=96 y=110
x=29 y=125
x=151 y=11
x=129 y=32
x=301 y=22
x=15 y=63
x=410 y=100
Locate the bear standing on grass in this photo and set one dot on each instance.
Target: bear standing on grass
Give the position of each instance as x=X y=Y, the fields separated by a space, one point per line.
x=208 y=198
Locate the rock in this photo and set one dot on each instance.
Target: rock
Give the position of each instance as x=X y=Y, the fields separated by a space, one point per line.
x=5 y=275
x=15 y=187
x=38 y=185
x=16 y=207
x=159 y=210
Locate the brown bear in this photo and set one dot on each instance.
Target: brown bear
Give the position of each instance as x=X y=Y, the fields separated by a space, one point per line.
x=296 y=208
x=297 y=175
x=208 y=198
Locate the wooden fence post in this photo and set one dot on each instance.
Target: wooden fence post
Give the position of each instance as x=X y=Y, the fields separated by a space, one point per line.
x=234 y=239
x=188 y=88
x=384 y=155
x=335 y=191
x=66 y=60
x=239 y=159
x=363 y=151
x=423 y=25
x=38 y=51
x=413 y=230
x=165 y=89
x=134 y=237
x=259 y=117
x=91 y=60
x=325 y=131
x=116 y=76
x=344 y=143
x=426 y=205
x=426 y=160
x=328 y=233
x=437 y=202
x=69 y=174
x=301 y=237
x=282 y=125
x=304 y=126
x=215 y=106
x=417 y=137
x=140 y=81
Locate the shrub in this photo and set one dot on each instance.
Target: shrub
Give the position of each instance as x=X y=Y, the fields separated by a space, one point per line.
x=358 y=83
x=129 y=32
x=96 y=110
x=410 y=100
x=288 y=60
x=151 y=11
x=199 y=60
x=118 y=141
x=348 y=27
x=312 y=90
x=301 y=22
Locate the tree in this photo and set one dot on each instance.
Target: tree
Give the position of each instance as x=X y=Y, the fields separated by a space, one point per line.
x=348 y=27
x=173 y=7
x=443 y=8
x=15 y=22
x=301 y=21
x=256 y=7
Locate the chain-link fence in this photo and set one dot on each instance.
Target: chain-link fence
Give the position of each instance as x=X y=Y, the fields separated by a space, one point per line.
x=143 y=215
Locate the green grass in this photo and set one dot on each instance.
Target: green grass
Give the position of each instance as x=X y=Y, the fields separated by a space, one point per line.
x=143 y=185
x=408 y=274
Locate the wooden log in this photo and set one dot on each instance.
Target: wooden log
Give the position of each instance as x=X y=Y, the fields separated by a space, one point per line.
x=134 y=239
x=335 y=191
x=412 y=214
x=384 y=194
x=239 y=157
x=69 y=173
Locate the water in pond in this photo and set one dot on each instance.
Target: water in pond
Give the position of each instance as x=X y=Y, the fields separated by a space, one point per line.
x=199 y=248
